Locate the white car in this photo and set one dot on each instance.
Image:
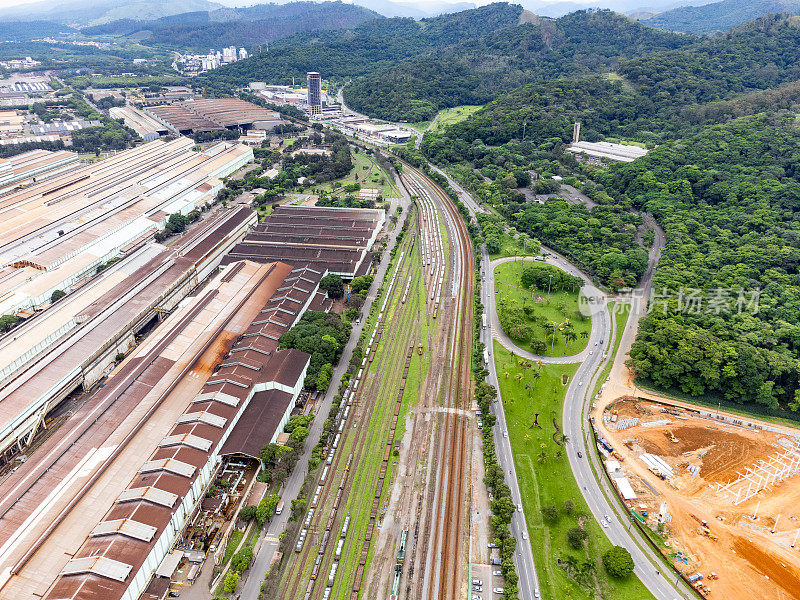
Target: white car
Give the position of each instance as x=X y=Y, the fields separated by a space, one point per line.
x=477 y=582
x=498 y=590
x=497 y=573
x=608 y=518
x=519 y=507
x=536 y=593
x=605 y=525
x=476 y=597
x=591 y=351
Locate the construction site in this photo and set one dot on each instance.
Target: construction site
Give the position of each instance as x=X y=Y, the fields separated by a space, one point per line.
x=719 y=493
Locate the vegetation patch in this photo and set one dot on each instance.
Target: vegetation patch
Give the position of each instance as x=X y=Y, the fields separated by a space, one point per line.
x=548 y=324
x=557 y=516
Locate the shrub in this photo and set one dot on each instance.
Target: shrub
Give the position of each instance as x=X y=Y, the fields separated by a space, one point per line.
x=575 y=537
x=618 y=562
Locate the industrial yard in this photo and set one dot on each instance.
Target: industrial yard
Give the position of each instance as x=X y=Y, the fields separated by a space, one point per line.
x=719 y=492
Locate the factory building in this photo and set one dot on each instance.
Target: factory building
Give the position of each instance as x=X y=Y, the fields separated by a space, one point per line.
x=213 y=114
x=145 y=126
x=72 y=345
x=336 y=240
x=56 y=233
x=181 y=401
x=33 y=166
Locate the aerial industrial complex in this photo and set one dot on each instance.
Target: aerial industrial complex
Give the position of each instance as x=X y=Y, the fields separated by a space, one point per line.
x=211 y=115
x=333 y=239
x=165 y=356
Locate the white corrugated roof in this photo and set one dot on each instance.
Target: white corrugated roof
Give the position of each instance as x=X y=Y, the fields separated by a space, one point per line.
x=129 y=527
x=98 y=565
x=625 y=488
x=173 y=465
x=169 y=564
x=150 y=494
x=186 y=439
x=217 y=397
x=203 y=417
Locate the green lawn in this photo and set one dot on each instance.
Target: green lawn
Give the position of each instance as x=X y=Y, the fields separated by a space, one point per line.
x=508 y=247
x=263 y=211
x=450 y=116
x=545 y=479
x=368 y=173
x=421 y=126
x=560 y=306
x=233 y=544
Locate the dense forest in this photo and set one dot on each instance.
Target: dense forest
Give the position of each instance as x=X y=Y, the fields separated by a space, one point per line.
x=719 y=16
x=726 y=314
x=660 y=96
x=472 y=72
x=246 y=27
x=405 y=70
x=369 y=48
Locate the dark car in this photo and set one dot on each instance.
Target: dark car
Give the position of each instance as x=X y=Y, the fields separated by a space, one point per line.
x=580 y=455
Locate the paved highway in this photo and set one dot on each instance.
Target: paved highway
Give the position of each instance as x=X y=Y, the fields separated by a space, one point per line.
x=575 y=422
x=523 y=557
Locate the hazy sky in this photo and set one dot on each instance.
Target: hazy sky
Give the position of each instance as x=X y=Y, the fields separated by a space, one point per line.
x=7 y=3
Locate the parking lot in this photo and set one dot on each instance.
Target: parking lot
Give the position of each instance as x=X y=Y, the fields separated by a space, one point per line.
x=489 y=581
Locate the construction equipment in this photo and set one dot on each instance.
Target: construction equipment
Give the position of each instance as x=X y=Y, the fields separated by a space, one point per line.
x=671 y=436
x=706 y=532
x=713 y=576
x=419 y=349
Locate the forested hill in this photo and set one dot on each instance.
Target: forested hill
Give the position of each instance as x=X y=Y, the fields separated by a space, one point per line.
x=240 y=27
x=729 y=200
x=474 y=72
x=660 y=96
x=720 y=16
x=369 y=48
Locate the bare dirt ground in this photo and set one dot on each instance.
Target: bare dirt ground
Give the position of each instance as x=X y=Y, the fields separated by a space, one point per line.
x=749 y=559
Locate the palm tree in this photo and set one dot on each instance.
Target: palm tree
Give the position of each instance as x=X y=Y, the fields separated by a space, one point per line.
x=518 y=377
x=564 y=438
x=569 y=336
x=584 y=334
x=542 y=457
x=536 y=375
x=505 y=374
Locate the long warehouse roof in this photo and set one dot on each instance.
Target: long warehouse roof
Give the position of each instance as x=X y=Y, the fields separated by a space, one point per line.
x=331 y=239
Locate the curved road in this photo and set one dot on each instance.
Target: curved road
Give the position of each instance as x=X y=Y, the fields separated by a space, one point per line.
x=596 y=491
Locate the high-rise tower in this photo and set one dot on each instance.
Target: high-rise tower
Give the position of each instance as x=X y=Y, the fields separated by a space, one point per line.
x=314 y=93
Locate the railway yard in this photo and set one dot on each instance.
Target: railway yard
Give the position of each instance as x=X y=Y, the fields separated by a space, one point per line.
x=129 y=396
x=387 y=517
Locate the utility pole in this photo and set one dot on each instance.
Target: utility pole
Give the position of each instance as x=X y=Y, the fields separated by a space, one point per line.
x=524 y=127
x=548 y=286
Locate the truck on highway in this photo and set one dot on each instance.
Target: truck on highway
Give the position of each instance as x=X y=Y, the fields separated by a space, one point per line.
x=486 y=357
x=483 y=320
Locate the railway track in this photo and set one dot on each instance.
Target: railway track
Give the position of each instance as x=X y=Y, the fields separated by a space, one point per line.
x=325 y=520
x=443 y=577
